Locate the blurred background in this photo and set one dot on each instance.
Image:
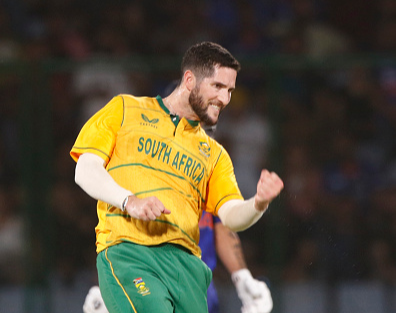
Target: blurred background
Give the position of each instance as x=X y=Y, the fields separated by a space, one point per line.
x=315 y=102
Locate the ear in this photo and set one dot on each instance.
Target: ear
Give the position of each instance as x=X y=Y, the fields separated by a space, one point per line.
x=189 y=80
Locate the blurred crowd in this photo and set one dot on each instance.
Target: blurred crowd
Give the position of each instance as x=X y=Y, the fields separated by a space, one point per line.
x=328 y=130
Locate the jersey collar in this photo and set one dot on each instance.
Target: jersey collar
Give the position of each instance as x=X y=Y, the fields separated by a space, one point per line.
x=162 y=105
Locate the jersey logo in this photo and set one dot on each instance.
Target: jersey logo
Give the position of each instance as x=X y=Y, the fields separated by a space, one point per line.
x=204 y=148
x=146 y=119
x=148 y=122
x=141 y=286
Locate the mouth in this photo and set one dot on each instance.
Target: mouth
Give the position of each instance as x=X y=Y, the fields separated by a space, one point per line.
x=216 y=106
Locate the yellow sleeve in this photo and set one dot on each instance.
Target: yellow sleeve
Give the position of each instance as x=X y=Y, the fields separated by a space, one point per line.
x=222 y=185
x=99 y=134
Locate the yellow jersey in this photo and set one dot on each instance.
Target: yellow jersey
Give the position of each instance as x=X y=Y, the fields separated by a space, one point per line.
x=151 y=153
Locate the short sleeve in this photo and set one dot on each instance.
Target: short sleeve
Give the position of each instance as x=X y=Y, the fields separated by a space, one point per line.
x=222 y=185
x=99 y=134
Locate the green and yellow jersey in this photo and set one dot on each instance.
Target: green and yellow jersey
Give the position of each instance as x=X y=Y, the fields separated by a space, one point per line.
x=148 y=153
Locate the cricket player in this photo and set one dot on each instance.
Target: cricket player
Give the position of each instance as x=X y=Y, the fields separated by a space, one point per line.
x=154 y=170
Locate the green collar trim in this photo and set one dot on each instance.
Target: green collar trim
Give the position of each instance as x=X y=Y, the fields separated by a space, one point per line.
x=193 y=123
x=162 y=105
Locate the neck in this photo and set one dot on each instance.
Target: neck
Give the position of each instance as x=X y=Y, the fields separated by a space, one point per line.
x=177 y=104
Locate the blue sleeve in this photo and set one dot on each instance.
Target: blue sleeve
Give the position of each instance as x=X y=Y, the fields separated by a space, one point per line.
x=207 y=239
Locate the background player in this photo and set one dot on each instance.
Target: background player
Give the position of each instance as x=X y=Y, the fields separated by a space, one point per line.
x=215 y=238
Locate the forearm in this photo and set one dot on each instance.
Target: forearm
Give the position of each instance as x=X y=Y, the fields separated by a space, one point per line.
x=239 y=215
x=229 y=248
x=93 y=178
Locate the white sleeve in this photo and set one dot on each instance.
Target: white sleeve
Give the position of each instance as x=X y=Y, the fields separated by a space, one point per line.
x=93 y=178
x=239 y=215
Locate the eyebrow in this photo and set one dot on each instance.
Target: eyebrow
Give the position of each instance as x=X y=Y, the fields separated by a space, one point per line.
x=223 y=85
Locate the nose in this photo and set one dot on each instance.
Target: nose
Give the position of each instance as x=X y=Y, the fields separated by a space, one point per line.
x=225 y=97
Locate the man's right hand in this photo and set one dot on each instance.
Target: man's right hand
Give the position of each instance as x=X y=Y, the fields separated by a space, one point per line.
x=146 y=209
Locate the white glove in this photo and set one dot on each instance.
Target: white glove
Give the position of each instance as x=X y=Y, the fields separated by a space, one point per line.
x=94 y=302
x=254 y=294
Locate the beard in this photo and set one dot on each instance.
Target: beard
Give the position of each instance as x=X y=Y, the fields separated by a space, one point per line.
x=200 y=109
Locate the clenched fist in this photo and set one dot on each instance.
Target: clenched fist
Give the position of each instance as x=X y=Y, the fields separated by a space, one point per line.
x=146 y=209
x=269 y=186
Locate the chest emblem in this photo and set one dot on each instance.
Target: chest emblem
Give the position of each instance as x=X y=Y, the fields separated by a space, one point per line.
x=204 y=148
